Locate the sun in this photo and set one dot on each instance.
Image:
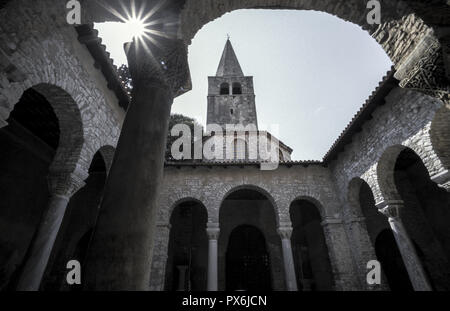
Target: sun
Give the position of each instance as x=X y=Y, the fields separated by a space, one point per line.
x=135 y=27
x=138 y=22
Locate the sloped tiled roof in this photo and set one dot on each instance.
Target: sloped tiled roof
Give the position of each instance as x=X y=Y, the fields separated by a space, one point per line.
x=376 y=99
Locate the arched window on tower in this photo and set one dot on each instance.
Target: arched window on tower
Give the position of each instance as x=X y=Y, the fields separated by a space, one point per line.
x=224 y=89
x=240 y=149
x=280 y=155
x=237 y=89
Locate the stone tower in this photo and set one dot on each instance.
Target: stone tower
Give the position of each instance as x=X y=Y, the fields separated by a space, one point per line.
x=231 y=98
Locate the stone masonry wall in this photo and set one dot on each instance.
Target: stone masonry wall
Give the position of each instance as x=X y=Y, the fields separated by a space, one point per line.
x=404 y=120
x=211 y=186
x=44 y=52
x=401 y=30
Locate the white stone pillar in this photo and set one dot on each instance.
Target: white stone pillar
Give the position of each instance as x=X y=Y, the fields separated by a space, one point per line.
x=285 y=232
x=213 y=231
x=412 y=262
x=62 y=187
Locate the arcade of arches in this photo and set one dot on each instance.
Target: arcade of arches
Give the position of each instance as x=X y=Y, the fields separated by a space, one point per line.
x=82 y=173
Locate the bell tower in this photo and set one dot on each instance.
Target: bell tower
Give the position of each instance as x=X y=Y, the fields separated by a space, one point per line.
x=231 y=97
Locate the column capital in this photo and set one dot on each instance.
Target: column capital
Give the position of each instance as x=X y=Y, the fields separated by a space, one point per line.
x=331 y=221
x=390 y=208
x=285 y=232
x=166 y=68
x=213 y=230
x=66 y=183
x=442 y=179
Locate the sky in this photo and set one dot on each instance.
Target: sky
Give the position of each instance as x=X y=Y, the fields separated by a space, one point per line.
x=312 y=71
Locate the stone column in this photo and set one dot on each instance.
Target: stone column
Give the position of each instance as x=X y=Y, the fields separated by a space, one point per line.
x=213 y=231
x=340 y=254
x=412 y=262
x=62 y=187
x=363 y=250
x=121 y=250
x=285 y=232
x=159 y=261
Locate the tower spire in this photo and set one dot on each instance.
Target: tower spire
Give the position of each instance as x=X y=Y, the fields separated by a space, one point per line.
x=229 y=64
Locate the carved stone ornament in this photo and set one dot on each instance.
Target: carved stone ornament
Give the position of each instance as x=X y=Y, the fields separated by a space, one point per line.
x=165 y=66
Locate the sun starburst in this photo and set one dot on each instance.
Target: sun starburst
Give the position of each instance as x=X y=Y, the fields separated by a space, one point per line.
x=139 y=22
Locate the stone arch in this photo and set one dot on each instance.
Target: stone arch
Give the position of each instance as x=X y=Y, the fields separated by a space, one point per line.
x=422 y=210
x=254 y=206
x=314 y=201
x=71 y=139
x=398 y=19
x=354 y=187
x=72 y=154
x=385 y=171
x=237 y=88
x=328 y=205
x=440 y=135
x=75 y=102
x=224 y=89
x=187 y=231
x=247 y=240
x=174 y=203
x=230 y=189
x=311 y=245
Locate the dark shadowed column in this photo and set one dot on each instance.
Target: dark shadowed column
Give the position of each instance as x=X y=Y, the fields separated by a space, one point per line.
x=62 y=186
x=120 y=253
x=412 y=262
